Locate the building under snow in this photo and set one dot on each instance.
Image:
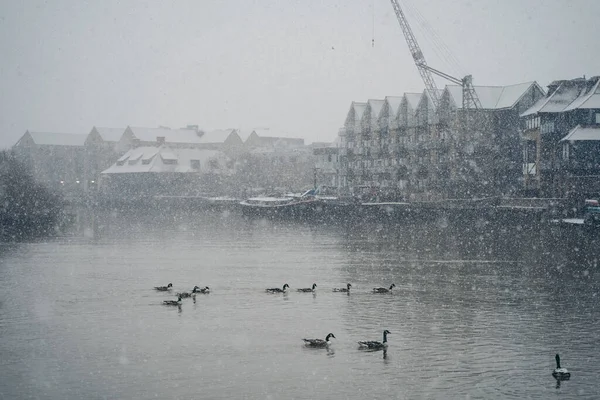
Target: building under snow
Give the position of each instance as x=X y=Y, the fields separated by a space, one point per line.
x=55 y=159
x=404 y=148
x=561 y=136
x=166 y=170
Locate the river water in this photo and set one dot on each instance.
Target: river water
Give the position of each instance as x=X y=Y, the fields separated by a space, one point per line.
x=477 y=312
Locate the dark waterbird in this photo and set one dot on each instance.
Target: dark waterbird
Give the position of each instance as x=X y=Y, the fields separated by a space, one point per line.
x=278 y=290
x=164 y=288
x=374 y=345
x=173 y=302
x=344 y=290
x=319 y=342
x=559 y=372
x=314 y=286
x=195 y=290
x=384 y=290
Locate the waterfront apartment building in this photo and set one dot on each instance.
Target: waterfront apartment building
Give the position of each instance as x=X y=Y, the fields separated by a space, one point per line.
x=561 y=140
x=404 y=148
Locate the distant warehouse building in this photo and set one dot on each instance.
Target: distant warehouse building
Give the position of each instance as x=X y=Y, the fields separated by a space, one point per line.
x=166 y=170
x=55 y=159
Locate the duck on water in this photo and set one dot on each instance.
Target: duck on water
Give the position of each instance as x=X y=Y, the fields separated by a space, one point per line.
x=559 y=372
x=313 y=289
x=279 y=290
x=319 y=343
x=164 y=288
x=384 y=290
x=173 y=302
x=195 y=290
x=343 y=290
x=374 y=345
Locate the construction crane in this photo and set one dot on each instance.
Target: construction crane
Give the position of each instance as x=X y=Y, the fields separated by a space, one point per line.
x=470 y=99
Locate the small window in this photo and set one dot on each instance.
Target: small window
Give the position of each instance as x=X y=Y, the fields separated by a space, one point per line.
x=598 y=118
x=566 y=150
x=329 y=158
x=195 y=164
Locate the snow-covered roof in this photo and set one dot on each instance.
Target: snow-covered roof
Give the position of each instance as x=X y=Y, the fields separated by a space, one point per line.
x=375 y=106
x=580 y=133
x=492 y=97
x=110 y=134
x=216 y=136
x=58 y=139
x=427 y=95
x=568 y=95
x=512 y=94
x=268 y=137
x=170 y=135
x=589 y=98
x=359 y=109
x=244 y=134
x=165 y=159
x=412 y=99
x=393 y=104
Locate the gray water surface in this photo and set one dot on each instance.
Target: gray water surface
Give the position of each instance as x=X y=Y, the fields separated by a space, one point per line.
x=477 y=312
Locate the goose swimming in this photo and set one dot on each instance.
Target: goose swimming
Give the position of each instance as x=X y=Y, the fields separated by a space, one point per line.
x=173 y=302
x=204 y=290
x=185 y=295
x=344 y=290
x=278 y=290
x=164 y=288
x=373 y=345
x=314 y=286
x=383 y=290
x=559 y=372
x=319 y=342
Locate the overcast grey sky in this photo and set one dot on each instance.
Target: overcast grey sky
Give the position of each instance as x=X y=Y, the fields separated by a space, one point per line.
x=294 y=66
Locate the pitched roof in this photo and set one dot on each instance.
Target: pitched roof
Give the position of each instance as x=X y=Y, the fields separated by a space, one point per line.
x=412 y=99
x=216 y=136
x=589 y=98
x=393 y=104
x=266 y=135
x=580 y=133
x=110 y=134
x=152 y=159
x=512 y=94
x=375 y=106
x=426 y=94
x=58 y=139
x=244 y=134
x=170 y=135
x=568 y=95
x=359 y=109
x=492 y=97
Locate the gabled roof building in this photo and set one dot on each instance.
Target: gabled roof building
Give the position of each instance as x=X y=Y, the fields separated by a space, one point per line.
x=54 y=158
x=560 y=146
x=414 y=151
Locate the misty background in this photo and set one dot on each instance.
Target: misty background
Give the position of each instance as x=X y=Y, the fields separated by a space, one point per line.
x=292 y=66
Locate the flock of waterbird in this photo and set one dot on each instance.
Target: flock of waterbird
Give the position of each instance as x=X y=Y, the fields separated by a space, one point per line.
x=559 y=373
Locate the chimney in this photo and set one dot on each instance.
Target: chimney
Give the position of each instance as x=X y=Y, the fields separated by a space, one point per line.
x=160 y=140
